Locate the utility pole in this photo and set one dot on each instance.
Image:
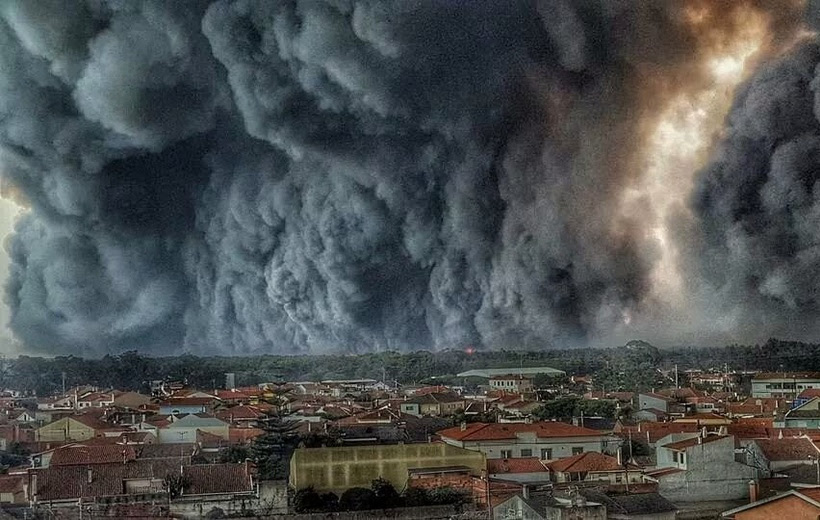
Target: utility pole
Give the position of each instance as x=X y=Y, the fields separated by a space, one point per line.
x=676 y=377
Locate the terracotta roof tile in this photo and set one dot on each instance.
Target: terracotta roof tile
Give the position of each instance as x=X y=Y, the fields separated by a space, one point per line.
x=241 y=412
x=587 y=461
x=657 y=431
x=522 y=465
x=11 y=483
x=243 y=435
x=217 y=478
x=812 y=493
x=92 y=422
x=787 y=449
x=95 y=454
x=542 y=430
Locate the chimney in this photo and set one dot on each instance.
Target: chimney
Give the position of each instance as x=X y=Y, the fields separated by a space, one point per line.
x=463 y=426
x=620 y=457
x=90 y=476
x=753 y=491
x=525 y=491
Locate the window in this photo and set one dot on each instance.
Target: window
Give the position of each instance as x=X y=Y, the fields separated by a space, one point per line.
x=526 y=453
x=506 y=454
x=618 y=478
x=675 y=456
x=546 y=454
x=577 y=450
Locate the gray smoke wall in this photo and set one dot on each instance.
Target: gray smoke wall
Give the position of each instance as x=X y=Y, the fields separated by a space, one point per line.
x=310 y=176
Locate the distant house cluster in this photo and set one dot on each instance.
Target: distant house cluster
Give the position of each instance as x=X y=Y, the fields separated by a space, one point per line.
x=509 y=446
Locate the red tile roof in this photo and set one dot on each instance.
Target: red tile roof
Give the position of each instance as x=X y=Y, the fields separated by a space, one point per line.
x=243 y=435
x=694 y=441
x=743 y=431
x=380 y=416
x=232 y=395
x=204 y=479
x=706 y=416
x=238 y=413
x=94 y=454
x=522 y=465
x=587 y=461
x=71 y=482
x=188 y=401
x=808 y=393
x=812 y=493
x=11 y=483
x=657 y=431
x=93 y=422
x=787 y=449
x=493 y=431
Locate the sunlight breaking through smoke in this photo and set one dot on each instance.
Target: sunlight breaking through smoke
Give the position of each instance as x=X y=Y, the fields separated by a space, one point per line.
x=678 y=147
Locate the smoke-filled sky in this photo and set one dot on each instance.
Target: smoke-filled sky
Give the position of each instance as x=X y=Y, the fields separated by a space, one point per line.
x=247 y=176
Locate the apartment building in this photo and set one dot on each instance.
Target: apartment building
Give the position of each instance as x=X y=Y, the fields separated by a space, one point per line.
x=786 y=385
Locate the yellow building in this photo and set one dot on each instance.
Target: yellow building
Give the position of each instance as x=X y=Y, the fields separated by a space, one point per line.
x=72 y=428
x=338 y=469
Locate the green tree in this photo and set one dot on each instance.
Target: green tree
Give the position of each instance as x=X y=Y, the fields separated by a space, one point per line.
x=272 y=450
x=447 y=495
x=235 y=454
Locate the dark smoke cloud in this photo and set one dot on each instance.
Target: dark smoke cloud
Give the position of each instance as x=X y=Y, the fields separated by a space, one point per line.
x=758 y=202
x=254 y=176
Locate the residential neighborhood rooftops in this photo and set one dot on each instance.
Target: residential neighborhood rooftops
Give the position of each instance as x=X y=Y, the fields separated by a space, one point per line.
x=489 y=431
x=94 y=454
x=588 y=462
x=519 y=465
x=809 y=393
x=788 y=449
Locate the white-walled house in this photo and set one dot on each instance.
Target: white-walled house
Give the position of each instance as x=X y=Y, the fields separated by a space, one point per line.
x=702 y=468
x=545 y=440
x=184 y=430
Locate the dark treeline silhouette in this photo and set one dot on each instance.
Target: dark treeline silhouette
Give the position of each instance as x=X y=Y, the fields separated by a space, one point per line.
x=133 y=371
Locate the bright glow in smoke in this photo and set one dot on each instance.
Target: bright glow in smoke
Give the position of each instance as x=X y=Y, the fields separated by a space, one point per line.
x=679 y=146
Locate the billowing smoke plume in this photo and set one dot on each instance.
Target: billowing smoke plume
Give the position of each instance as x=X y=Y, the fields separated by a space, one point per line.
x=293 y=176
x=758 y=202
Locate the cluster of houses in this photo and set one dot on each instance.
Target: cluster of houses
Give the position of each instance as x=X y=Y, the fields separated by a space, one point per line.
x=678 y=450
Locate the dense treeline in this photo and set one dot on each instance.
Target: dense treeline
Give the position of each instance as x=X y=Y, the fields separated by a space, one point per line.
x=633 y=367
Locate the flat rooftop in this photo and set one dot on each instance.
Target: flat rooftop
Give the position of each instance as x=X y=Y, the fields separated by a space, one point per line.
x=491 y=372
